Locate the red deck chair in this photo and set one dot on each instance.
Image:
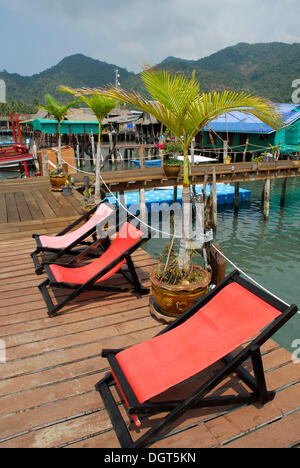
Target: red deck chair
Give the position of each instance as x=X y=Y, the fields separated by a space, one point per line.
x=214 y=327
x=65 y=241
x=91 y=275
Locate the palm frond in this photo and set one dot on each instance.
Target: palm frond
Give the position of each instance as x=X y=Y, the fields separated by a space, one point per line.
x=99 y=104
x=55 y=108
x=177 y=103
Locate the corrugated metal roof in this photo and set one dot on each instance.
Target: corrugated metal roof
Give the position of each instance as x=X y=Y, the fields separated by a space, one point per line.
x=237 y=121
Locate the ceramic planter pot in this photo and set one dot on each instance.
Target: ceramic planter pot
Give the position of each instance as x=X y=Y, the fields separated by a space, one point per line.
x=172 y=170
x=57 y=181
x=174 y=300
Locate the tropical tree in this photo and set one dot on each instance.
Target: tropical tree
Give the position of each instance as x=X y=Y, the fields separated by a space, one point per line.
x=101 y=106
x=176 y=101
x=59 y=112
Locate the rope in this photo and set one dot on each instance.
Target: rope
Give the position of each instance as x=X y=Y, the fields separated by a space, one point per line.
x=121 y=204
x=249 y=277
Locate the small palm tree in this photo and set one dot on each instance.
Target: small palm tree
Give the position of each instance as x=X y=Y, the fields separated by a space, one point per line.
x=101 y=106
x=59 y=112
x=176 y=101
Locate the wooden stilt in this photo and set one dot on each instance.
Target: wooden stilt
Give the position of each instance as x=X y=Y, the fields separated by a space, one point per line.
x=283 y=191
x=267 y=189
x=218 y=264
x=236 y=197
x=214 y=199
x=143 y=211
x=175 y=194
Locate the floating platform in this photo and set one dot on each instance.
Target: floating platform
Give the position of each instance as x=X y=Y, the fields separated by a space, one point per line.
x=225 y=195
x=148 y=163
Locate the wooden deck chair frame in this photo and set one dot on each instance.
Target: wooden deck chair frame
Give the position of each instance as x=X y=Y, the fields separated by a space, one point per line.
x=129 y=274
x=80 y=241
x=175 y=409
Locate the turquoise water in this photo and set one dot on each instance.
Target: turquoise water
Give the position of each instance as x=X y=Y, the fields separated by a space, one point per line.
x=267 y=250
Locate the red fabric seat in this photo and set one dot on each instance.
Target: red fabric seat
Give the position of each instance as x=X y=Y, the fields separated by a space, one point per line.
x=229 y=319
x=126 y=238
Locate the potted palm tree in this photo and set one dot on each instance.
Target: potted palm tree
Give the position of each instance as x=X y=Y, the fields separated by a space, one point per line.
x=171 y=163
x=176 y=101
x=57 y=177
x=101 y=106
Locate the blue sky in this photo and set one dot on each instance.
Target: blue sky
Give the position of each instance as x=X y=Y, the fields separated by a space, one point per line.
x=37 y=34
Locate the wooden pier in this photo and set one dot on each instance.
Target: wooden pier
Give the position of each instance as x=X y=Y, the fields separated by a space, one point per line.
x=47 y=383
x=134 y=179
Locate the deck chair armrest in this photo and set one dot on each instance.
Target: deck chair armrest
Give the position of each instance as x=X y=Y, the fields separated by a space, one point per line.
x=88 y=250
x=106 y=351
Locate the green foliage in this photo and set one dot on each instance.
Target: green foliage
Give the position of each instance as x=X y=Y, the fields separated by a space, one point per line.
x=55 y=108
x=265 y=69
x=177 y=103
x=17 y=106
x=173 y=162
x=168 y=270
x=100 y=105
x=173 y=147
x=75 y=70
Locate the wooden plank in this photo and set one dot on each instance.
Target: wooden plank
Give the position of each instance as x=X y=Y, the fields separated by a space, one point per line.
x=57 y=208
x=54 y=364
x=33 y=206
x=3 y=210
x=23 y=209
x=66 y=203
x=43 y=204
x=11 y=207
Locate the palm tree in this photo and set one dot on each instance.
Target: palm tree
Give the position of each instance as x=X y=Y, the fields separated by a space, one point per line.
x=101 y=106
x=176 y=102
x=59 y=112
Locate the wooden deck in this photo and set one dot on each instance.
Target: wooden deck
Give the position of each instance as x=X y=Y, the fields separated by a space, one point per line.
x=29 y=205
x=47 y=383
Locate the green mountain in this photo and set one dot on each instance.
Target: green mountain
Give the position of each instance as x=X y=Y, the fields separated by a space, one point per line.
x=264 y=69
x=75 y=71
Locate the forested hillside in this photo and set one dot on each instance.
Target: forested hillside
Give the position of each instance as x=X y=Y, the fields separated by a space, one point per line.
x=264 y=69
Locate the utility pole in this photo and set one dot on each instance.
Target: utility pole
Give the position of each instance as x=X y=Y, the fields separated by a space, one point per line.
x=117 y=83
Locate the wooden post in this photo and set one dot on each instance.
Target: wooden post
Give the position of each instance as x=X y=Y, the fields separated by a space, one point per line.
x=175 y=194
x=77 y=155
x=143 y=214
x=245 y=150
x=236 y=196
x=225 y=150
x=193 y=152
x=283 y=191
x=267 y=189
x=34 y=151
x=218 y=264
x=93 y=159
x=45 y=171
x=213 y=196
